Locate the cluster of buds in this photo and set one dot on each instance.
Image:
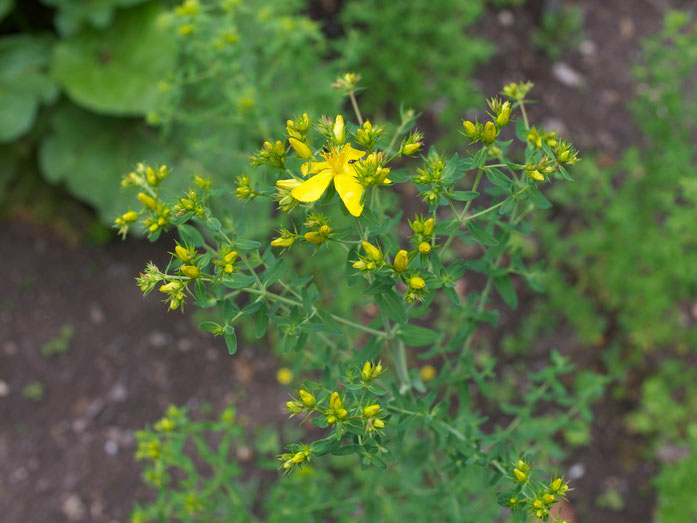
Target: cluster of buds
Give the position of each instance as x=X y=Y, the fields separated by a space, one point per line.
x=172 y=418
x=283 y=196
x=372 y=260
x=368 y=135
x=541 y=170
x=521 y=471
x=159 y=213
x=192 y=202
x=244 y=190
x=270 y=154
x=226 y=260
x=148 y=281
x=347 y=82
x=175 y=293
x=517 y=91
x=565 y=153
x=336 y=409
x=306 y=401
x=537 y=136
x=149 y=446
x=299 y=127
x=124 y=222
x=487 y=133
x=370 y=172
x=290 y=460
x=286 y=239
x=411 y=144
x=145 y=176
x=423 y=229
x=431 y=172
x=371 y=415
x=321 y=228
x=416 y=287
x=188 y=8
x=501 y=112
x=369 y=372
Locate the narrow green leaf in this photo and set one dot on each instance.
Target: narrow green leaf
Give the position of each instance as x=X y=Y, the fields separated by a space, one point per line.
x=231 y=341
x=237 y=280
x=504 y=285
x=416 y=336
x=209 y=326
x=497 y=178
x=392 y=305
x=480 y=235
x=464 y=196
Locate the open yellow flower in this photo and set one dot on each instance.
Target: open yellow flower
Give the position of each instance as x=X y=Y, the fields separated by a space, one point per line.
x=337 y=166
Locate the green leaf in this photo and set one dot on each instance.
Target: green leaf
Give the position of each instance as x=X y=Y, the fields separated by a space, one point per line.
x=231 y=341
x=479 y=158
x=214 y=224
x=246 y=245
x=535 y=196
x=416 y=336
x=480 y=235
x=91 y=153
x=392 y=305
x=498 y=179
x=237 y=280
x=504 y=285
x=24 y=82
x=261 y=321
x=450 y=172
x=464 y=196
x=190 y=235
x=209 y=326
x=72 y=15
x=117 y=70
x=229 y=310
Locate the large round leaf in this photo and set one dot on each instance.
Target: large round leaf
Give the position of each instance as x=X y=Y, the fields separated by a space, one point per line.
x=24 y=82
x=91 y=153
x=71 y=14
x=116 y=71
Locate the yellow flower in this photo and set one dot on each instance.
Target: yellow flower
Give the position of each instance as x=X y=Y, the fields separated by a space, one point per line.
x=284 y=376
x=337 y=166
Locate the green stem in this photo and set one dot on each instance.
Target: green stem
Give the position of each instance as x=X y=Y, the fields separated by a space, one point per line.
x=354 y=103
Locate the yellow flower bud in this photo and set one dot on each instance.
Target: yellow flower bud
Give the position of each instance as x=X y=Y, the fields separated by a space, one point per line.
x=504 y=116
x=490 y=133
x=371 y=411
x=129 y=217
x=429 y=225
x=299 y=457
x=360 y=265
x=150 y=176
x=410 y=149
x=182 y=253
x=401 y=260
x=341 y=413
x=284 y=376
x=325 y=231
x=378 y=424
x=314 y=237
x=153 y=227
x=228 y=268
x=428 y=372
x=470 y=129
x=191 y=271
x=146 y=200
x=372 y=251
x=415 y=282
x=339 y=131
x=230 y=257
x=307 y=398
x=548 y=499
x=536 y=175
x=555 y=485
x=424 y=247
x=366 y=372
x=170 y=287
x=300 y=148
x=335 y=401
x=520 y=476
x=282 y=242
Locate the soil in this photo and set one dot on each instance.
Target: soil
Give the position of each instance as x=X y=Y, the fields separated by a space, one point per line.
x=69 y=455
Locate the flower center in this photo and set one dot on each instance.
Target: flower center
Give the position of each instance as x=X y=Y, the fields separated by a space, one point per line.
x=336 y=159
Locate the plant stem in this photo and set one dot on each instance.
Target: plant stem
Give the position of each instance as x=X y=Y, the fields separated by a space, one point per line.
x=354 y=103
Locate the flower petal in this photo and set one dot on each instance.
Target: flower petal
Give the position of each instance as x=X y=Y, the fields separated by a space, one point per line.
x=353 y=154
x=311 y=190
x=351 y=193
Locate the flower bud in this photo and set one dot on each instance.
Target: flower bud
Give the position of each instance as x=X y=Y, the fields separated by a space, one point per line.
x=335 y=401
x=366 y=372
x=282 y=242
x=410 y=149
x=182 y=253
x=424 y=247
x=429 y=225
x=504 y=116
x=301 y=148
x=191 y=271
x=489 y=133
x=150 y=176
x=146 y=200
x=519 y=475
x=307 y=398
x=378 y=424
x=371 y=411
x=372 y=252
x=339 y=130
x=170 y=287
x=299 y=457
x=314 y=237
x=415 y=282
x=401 y=260
x=129 y=216
x=536 y=175
x=325 y=231
x=470 y=129
x=428 y=372
x=548 y=499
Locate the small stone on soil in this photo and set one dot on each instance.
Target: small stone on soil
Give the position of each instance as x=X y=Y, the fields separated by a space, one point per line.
x=566 y=75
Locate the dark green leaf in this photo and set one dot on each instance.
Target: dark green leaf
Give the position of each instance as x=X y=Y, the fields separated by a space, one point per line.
x=209 y=326
x=416 y=336
x=464 y=196
x=237 y=280
x=480 y=235
x=392 y=306
x=231 y=341
x=506 y=289
x=498 y=179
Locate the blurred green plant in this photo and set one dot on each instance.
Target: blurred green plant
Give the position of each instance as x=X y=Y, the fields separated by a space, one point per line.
x=560 y=28
x=414 y=53
x=60 y=343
